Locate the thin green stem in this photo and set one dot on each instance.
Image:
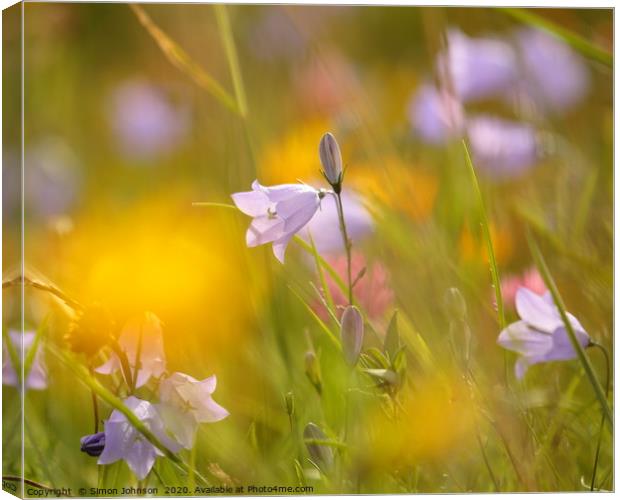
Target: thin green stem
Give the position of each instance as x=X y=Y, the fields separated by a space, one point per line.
x=223 y=23
x=347 y=244
x=179 y=58
x=600 y=432
x=484 y=222
x=95 y=404
x=581 y=354
x=230 y=49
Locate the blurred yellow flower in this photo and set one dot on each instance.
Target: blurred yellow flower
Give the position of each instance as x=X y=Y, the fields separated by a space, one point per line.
x=184 y=263
x=398 y=185
x=294 y=155
x=434 y=420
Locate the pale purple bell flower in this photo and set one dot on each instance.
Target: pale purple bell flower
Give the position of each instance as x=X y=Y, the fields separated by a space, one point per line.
x=144 y=331
x=553 y=75
x=501 y=148
x=435 y=115
x=477 y=68
x=37 y=376
x=540 y=335
x=278 y=212
x=324 y=227
x=124 y=442
x=185 y=403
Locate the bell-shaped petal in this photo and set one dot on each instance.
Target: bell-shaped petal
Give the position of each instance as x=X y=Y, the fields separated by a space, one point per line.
x=540 y=336
x=186 y=402
x=142 y=342
x=124 y=442
x=278 y=212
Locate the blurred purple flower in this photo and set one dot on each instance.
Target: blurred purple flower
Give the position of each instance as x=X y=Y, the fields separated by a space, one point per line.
x=540 y=335
x=37 y=376
x=52 y=177
x=186 y=402
x=124 y=442
x=554 y=76
x=278 y=211
x=325 y=225
x=144 y=121
x=502 y=149
x=435 y=115
x=143 y=331
x=93 y=444
x=477 y=68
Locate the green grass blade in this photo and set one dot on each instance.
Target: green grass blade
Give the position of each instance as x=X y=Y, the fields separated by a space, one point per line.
x=484 y=222
x=581 y=354
x=579 y=43
x=318 y=320
x=223 y=23
x=182 y=61
x=319 y=269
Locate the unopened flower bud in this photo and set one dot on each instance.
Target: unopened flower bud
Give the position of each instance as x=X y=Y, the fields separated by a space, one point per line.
x=290 y=403
x=93 y=444
x=320 y=454
x=352 y=334
x=455 y=303
x=329 y=152
x=313 y=370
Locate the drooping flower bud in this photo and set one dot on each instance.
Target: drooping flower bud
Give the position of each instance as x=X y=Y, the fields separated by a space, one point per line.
x=313 y=370
x=320 y=454
x=93 y=444
x=329 y=152
x=352 y=334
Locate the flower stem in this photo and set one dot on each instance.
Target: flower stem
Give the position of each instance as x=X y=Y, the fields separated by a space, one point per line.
x=347 y=244
x=600 y=432
x=95 y=404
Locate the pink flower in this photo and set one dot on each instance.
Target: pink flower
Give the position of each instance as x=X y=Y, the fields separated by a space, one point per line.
x=372 y=291
x=530 y=279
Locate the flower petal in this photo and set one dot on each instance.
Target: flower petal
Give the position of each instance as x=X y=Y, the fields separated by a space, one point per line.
x=252 y=203
x=279 y=247
x=520 y=338
x=536 y=311
x=264 y=230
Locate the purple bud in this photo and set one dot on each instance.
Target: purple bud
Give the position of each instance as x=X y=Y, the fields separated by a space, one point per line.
x=329 y=152
x=352 y=334
x=93 y=444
